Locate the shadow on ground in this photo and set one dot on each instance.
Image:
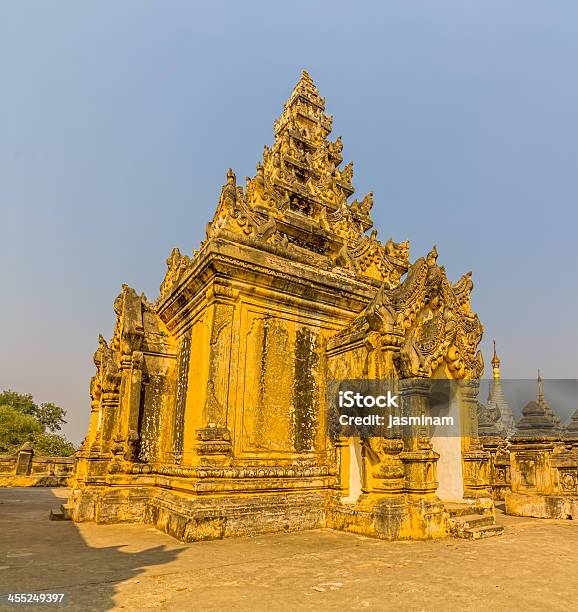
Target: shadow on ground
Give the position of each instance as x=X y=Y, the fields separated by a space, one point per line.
x=531 y=567
x=42 y=556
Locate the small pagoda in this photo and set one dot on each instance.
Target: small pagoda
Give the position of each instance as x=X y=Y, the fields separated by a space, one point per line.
x=538 y=418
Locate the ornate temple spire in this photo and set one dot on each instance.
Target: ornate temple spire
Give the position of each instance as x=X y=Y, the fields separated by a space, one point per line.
x=496 y=364
x=497 y=403
x=303 y=164
x=542 y=401
x=299 y=204
x=540 y=388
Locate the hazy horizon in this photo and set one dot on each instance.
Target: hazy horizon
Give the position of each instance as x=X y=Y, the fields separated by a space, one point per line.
x=119 y=123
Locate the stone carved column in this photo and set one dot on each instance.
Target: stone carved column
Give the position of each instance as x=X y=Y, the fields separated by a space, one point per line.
x=476 y=461
x=387 y=469
x=91 y=443
x=109 y=405
x=134 y=401
x=119 y=435
x=213 y=439
x=108 y=408
x=365 y=484
x=125 y=447
x=372 y=367
x=184 y=357
x=419 y=458
x=107 y=361
x=343 y=466
x=94 y=422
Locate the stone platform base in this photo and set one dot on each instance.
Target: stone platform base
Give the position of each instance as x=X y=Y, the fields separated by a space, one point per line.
x=194 y=518
x=542 y=506
x=214 y=518
x=393 y=518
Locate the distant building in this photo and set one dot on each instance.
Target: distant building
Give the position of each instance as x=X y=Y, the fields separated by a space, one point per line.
x=497 y=402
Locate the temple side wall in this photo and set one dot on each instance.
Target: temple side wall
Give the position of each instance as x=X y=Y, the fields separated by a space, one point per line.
x=230 y=421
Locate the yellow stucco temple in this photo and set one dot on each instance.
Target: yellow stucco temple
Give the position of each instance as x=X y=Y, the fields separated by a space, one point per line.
x=209 y=413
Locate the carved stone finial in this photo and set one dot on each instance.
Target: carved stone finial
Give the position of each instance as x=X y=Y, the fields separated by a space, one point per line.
x=432 y=256
x=176 y=265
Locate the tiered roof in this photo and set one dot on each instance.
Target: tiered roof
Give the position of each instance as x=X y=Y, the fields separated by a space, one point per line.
x=538 y=419
x=299 y=202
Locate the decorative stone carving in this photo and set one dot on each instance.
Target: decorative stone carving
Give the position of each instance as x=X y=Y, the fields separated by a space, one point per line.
x=300 y=175
x=214 y=445
x=176 y=266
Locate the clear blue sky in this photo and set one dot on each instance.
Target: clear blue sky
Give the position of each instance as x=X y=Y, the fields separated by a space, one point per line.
x=118 y=121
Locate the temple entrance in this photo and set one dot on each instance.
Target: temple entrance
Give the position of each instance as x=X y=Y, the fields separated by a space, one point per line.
x=447 y=441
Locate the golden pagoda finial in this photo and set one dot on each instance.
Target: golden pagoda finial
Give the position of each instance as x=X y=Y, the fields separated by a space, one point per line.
x=540 y=389
x=496 y=364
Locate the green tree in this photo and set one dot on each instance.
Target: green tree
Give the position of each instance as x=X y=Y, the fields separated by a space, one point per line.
x=52 y=445
x=23 y=402
x=16 y=428
x=22 y=420
x=51 y=416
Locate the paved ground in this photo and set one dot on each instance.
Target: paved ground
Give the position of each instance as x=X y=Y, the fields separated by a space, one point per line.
x=533 y=566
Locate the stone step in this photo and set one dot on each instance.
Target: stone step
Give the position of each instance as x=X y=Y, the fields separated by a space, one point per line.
x=462 y=509
x=67 y=511
x=60 y=514
x=477 y=533
x=466 y=521
x=56 y=514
